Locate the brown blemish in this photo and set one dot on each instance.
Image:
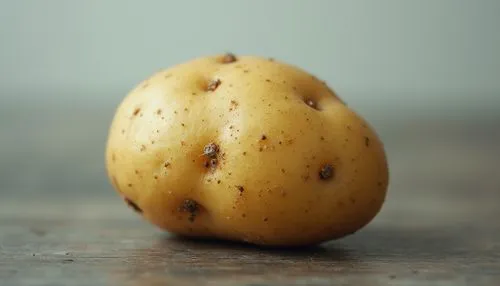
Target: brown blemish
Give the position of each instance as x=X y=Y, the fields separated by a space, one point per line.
x=129 y=185
x=246 y=71
x=183 y=143
x=211 y=150
x=136 y=172
x=193 y=93
x=136 y=111
x=113 y=157
x=261 y=149
x=243 y=215
x=268 y=80
x=143 y=148
x=241 y=189
x=263 y=137
x=311 y=103
x=158 y=111
x=183 y=125
x=265 y=219
x=155 y=177
x=282 y=170
x=166 y=165
x=213 y=84
x=326 y=172
x=228 y=58
x=234 y=105
x=123 y=131
x=367 y=141
x=218 y=181
x=190 y=206
x=145 y=85
x=244 y=153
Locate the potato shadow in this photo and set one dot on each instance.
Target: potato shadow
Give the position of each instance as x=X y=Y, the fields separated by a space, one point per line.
x=375 y=249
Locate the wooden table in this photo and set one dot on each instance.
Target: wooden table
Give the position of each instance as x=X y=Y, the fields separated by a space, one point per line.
x=439 y=226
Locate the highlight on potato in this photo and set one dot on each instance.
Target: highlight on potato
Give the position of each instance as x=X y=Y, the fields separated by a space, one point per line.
x=245 y=148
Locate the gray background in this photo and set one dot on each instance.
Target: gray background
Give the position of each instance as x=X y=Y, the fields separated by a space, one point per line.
x=65 y=65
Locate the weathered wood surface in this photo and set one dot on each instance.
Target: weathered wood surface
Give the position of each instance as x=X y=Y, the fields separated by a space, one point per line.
x=439 y=226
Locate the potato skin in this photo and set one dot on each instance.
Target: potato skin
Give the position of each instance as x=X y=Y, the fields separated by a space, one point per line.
x=294 y=165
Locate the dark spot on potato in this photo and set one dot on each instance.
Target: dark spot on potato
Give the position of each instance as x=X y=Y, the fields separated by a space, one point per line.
x=133 y=205
x=280 y=142
x=155 y=177
x=193 y=93
x=265 y=219
x=183 y=125
x=143 y=148
x=326 y=172
x=322 y=138
x=123 y=131
x=379 y=184
x=311 y=103
x=113 y=157
x=228 y=58
x=166 y=165
x=152 y=142
x=218 y=181
x=263 y=137
x=261 y=149
x=246 y=71
x=282 y=170
x=190 y=206
x=367 y=141
x=213 y=163
x=136 y=172
x=234 y=105
x=244 y=153
x=183 y=143
x=352 y=200
x=211 y=150
x=129 y=185
x=145 y=85
x=241 y=189
x=243 y=215
x=213 y=84
x=136 y=111
x=158 y=111
x=348 y=127
x=268 y=80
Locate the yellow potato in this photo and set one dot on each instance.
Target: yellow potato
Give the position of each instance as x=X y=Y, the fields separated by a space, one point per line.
x=245 y=149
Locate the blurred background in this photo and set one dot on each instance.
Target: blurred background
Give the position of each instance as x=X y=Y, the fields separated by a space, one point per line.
x=425 y=74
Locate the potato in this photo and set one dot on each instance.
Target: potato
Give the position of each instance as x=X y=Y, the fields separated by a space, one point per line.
x=245 y=149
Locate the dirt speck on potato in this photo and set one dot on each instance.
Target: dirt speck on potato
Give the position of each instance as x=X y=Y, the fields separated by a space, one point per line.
x=136 y=111
x=213 y=84
x=326 y=172
x=228 y=58
x=367 y=141
x=211 y=150
x=241 y=189
x=190 y=206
